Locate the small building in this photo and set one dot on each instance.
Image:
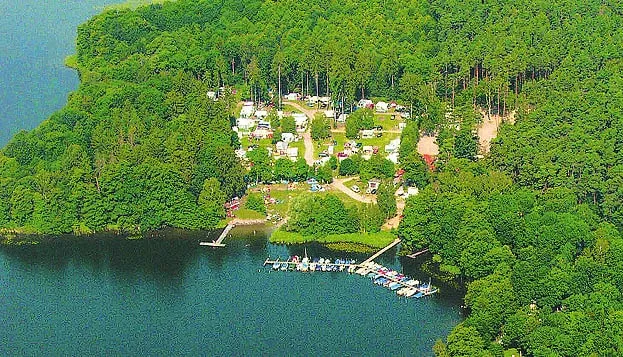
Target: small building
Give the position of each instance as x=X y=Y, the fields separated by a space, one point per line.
x=324 y=101
x=300 y=120
x=245 y=124
x=342 y=118
x=381 y=107
x=367 y=134
x=292 y=96
x=331 y=149
x=293 y=153
x=329 y=114
x=211 y=95
x=288 y=137
x=282 y=147
x=367 y=150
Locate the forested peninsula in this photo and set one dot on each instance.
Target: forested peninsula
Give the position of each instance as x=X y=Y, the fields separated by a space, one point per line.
x=532 y=226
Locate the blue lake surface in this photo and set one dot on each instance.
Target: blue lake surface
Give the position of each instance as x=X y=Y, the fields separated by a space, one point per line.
x=35 y=38
x=169 y=296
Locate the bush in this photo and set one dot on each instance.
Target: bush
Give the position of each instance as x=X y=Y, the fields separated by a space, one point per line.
x=255 y=202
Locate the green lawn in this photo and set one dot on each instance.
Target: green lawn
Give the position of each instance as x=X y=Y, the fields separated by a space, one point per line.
x=244 y=213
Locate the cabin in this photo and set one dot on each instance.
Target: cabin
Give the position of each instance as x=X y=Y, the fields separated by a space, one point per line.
x=367 y=150
x=381 y=107
x=367 y=134
x=330 y=114
x=300 y=120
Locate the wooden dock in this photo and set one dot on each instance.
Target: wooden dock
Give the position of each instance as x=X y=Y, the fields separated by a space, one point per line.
x=417 y=254
x=390 y=246
x=219 y=241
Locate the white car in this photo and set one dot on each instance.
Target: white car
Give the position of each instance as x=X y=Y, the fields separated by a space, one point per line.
x=355 y=188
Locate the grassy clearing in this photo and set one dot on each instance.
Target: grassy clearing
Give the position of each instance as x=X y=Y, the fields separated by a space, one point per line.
x=373 y=240
x=245 y=213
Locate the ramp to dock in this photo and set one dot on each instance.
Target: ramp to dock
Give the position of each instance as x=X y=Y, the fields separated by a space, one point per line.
x=390 y=246
x=417 y=254
x=219 y=241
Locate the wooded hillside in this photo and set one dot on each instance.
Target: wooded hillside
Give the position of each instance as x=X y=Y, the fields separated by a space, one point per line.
x=534 y=227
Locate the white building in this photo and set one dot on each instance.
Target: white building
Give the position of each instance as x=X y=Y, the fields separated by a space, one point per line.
x=329 y=114
x=292 y=96
x=342 y=118
x=288 y=137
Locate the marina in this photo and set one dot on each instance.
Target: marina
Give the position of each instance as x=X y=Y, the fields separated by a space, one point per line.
x=393 y=280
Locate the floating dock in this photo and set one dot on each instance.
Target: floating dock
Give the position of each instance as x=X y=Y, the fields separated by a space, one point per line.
x=219 y=241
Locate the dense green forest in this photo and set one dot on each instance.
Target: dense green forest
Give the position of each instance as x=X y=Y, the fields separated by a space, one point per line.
x=533 y=228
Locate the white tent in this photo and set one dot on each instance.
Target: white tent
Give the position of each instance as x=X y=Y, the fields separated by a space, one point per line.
x=381 y=107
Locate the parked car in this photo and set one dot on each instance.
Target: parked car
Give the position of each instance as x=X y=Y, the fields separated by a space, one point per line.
x=373 y=191
x=323 y=154
x=355 y=188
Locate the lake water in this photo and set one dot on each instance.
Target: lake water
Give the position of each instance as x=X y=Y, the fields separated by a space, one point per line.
x=35 y=38
x=169 y=296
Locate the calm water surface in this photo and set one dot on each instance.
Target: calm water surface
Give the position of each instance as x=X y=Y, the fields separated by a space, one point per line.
x=110 y=296
x=35 y=38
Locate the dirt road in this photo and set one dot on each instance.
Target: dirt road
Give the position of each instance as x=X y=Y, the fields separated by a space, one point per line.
x=309 y=148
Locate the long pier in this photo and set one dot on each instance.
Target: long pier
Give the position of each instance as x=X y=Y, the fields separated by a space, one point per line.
x=219 y=241
x=390 y=246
